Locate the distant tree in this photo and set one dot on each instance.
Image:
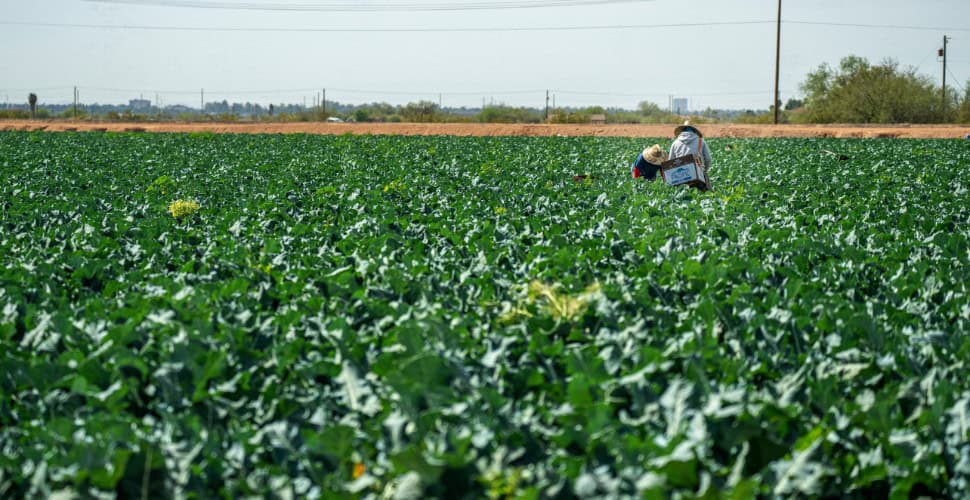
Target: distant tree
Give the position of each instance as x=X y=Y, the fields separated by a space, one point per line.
x=32 y=100
x=620 y=116
x=761 y=118
x=508 y=114
x=565 y=116
x=652 y=113
x=648 y=108
x=793 y=104
x=420 y=112
x=963 y=114
x=71 y=113
x=858 y=92
x=361 y=115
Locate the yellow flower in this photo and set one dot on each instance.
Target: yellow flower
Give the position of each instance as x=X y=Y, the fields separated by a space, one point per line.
x=359 y=470
x=500 y=210
x=181 y=208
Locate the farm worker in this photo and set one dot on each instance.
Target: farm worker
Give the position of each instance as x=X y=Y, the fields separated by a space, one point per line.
x=690 y=141
x=648 y=163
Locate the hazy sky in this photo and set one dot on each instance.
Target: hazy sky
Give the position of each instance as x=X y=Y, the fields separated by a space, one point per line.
x=723 y=66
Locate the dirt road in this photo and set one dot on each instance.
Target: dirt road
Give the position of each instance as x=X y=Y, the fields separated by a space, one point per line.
x=495 y=129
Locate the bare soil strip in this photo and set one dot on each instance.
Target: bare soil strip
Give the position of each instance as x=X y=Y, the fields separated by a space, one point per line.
x=497 y=129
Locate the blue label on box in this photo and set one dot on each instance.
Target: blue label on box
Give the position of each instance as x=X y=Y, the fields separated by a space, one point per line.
x=680 y=175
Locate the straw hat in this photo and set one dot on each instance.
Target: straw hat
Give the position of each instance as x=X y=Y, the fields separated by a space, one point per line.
x=655 y=154
x=686 y=126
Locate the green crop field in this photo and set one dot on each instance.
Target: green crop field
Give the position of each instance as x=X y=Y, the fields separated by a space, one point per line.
x=421 y=317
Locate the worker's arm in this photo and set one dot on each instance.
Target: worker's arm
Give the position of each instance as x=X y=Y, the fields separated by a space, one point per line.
x=706 y=154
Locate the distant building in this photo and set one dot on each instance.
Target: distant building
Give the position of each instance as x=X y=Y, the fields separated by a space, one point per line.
x=679 y=106
x=597 y=119
x=139 y=104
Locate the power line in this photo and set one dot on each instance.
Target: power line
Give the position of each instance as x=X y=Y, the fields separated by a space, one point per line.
x=109 y=89
x=41 y=89
x=595 y=93
x=351 y=91
x=411 y=92
x=929 y=54
x=378 y=30
x=461 y=29
x=369 y=6
x=314 y=89
x=615 y=94
x=955 y=79
x=877 y=26
x=462 y=93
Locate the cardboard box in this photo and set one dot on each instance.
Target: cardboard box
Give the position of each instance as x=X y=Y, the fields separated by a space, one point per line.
x=686 y=170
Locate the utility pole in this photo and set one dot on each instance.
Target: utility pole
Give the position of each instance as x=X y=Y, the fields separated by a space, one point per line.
x=75 y=102
x=547 y=105
x=202 y=101
x=324 y=99
x=943 y=53
x=777 y=61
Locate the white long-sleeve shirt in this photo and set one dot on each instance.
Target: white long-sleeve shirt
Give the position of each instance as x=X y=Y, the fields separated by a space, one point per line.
x=686 y=144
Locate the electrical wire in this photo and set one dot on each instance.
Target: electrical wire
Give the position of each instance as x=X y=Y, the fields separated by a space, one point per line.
x=369 y=6
x=955 y=79
x=340 y=90
x=877 y=26
x=42 y=89
x=928 y=55
x=614 y=94
x=313 y=90
x=378 y=30
x=456 y=30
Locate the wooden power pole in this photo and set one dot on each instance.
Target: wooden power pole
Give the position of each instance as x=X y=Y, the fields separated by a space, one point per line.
x=943 y=103
x=777 y=61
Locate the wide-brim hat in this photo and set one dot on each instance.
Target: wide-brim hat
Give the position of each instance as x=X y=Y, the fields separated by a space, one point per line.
x=655 y=154
x=686 y=126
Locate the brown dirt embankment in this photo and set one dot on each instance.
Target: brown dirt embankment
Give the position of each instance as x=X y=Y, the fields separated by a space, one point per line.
x=497 y=129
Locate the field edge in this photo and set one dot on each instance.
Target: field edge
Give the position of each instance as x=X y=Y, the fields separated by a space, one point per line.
x=497 y=129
